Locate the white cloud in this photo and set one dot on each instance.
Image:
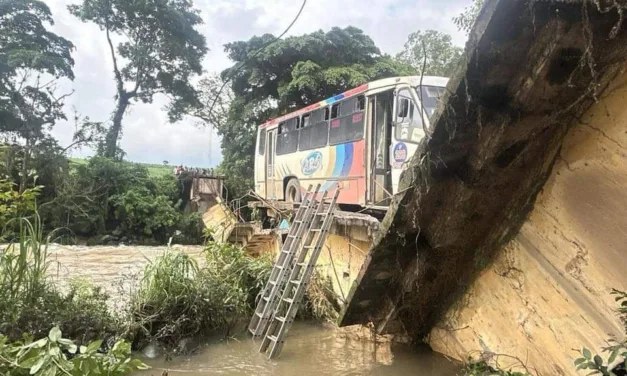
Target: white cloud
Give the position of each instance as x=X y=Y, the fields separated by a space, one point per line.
x=148 y=137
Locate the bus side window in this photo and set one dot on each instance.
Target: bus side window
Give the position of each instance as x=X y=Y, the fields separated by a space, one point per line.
x=315 y=131
x=349 y=125
x=287 y=139
x=335 y=110
x=361 y=103
x=305 y=121
x=262 y=142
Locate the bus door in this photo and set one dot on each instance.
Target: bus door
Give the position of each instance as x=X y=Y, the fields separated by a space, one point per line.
x=381 y=131
x=270 y=170
x=408 y=131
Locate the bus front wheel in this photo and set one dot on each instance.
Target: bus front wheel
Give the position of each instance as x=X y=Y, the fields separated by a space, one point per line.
x=292 y=191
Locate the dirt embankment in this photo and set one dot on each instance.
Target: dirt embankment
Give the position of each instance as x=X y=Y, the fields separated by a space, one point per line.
x=548 y=292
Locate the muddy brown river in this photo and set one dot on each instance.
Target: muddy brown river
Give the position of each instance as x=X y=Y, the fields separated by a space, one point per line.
x=311 y=349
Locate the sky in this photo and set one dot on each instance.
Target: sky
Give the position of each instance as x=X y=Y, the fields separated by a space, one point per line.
x=149 y=137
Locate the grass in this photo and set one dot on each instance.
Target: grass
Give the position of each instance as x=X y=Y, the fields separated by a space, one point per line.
x=155 y=170
x=29 y=301
x=179 y=299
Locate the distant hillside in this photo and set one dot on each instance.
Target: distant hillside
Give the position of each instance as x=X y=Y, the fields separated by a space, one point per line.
x=155 y=170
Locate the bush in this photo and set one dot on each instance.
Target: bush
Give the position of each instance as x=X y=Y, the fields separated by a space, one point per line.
x=55 y=355
x=139 y=211
x=178 y=299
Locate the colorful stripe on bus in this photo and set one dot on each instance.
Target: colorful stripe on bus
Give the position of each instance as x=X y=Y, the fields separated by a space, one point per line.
x=326 y=102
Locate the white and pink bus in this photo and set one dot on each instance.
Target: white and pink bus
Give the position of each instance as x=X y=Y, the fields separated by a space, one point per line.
x=359 y=141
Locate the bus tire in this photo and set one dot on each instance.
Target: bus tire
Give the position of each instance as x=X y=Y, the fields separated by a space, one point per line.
x=292 y=191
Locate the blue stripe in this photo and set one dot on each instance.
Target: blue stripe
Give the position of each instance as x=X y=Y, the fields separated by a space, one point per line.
x=334 y=99
x=348 y=159
x=337 y=168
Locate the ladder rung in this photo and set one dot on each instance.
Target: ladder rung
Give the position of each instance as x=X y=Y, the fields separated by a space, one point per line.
x=295 y=281
x=316 y=230
x=272 y=338
x=302 y=264
x=279 y=318
x=272 y=282
x=288 y=300
x=259 y=314
x=266 y=298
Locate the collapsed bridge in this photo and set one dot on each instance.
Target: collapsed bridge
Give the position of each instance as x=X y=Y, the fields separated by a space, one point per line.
x=531 y=69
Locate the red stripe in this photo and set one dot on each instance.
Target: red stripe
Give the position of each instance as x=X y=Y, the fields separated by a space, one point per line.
x=357 y=90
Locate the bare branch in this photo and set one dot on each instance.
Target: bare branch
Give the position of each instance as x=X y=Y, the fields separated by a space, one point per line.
x=116 y=70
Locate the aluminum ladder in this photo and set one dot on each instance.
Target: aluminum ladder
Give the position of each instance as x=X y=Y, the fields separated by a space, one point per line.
x=299 y=276
x=283 y=265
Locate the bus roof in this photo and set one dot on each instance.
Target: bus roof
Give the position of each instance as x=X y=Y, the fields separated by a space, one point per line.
x=411 y=80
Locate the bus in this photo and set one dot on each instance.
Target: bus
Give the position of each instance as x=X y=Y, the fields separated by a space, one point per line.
x=359 y=141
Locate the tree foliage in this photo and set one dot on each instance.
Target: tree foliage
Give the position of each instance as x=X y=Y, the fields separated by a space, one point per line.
x=286 y=75
x=466 y=20
x=159 y=50
x=432 y=51
x=31 y=59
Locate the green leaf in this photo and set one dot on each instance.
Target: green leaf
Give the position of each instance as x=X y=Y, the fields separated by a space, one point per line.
x=41 y=343
x=578 y=361
x=138 y=364
x=54 y=351
x=37 y=366
x=94 y=346
x=598 y=360
x=55 y=334
x=50 y=371
x=586 y=353
x=83 y=349
x=72 y=349
x=612 y=357
x=65 y=342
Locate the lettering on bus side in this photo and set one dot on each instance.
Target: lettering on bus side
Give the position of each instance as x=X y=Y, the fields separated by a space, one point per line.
x=311 y=163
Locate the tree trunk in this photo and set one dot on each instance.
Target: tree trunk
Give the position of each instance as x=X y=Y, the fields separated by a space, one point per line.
x=111 y=141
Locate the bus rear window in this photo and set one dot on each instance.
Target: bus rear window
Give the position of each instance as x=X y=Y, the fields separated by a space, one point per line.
x=262 y=142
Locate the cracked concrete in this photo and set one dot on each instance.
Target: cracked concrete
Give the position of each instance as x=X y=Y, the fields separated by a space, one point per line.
x=547 y=293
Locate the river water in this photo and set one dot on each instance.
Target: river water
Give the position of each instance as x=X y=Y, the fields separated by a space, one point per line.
x=310 y=349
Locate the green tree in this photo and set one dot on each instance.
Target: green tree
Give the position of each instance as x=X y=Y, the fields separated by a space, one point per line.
x=32 y=60
x=283 y=76
x=432 y=50
x=466 y=20
x=159 y=51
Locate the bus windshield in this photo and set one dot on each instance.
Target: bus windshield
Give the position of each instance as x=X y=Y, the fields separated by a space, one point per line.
x=430 y=97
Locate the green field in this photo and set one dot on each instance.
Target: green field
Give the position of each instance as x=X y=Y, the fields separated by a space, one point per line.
x=155 y=170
